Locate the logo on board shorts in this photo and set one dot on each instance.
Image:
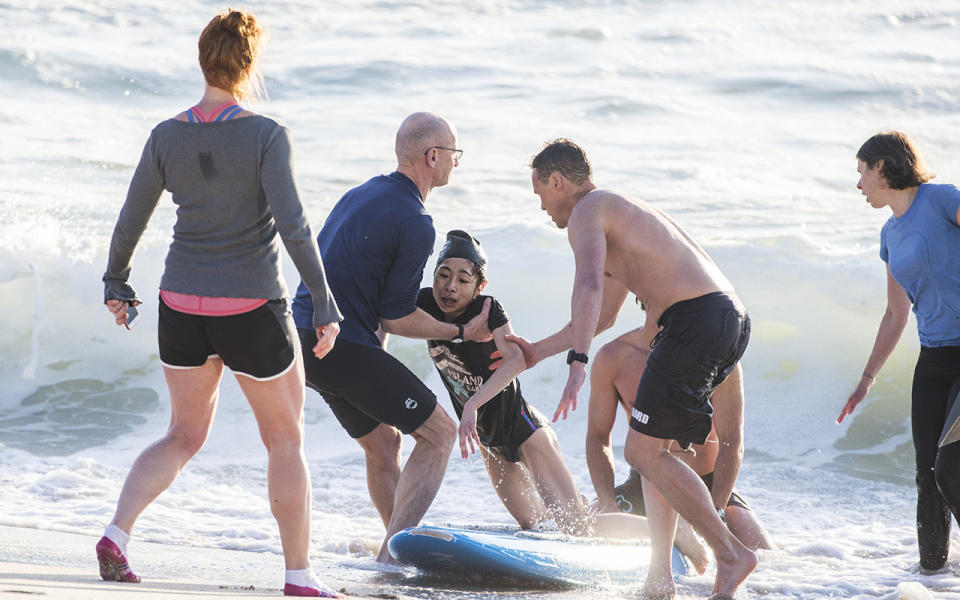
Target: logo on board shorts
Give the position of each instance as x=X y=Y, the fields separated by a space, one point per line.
x=639 y=416
x=411 y=403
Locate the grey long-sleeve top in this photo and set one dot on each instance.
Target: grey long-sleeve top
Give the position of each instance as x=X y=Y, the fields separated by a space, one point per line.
x=233 y=184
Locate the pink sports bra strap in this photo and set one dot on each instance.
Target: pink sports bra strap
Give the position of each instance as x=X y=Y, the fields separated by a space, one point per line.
x=210 y=306
x=213 y=113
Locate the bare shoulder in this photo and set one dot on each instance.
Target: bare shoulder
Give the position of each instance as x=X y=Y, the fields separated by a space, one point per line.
x=635 y=339
x=600 y=198
x=608 y=203
x=596 y=207
x=611 y=353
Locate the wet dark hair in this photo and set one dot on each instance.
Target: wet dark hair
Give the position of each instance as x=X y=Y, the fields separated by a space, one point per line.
x=564 y=157
x=461 y=244
x=903 y=166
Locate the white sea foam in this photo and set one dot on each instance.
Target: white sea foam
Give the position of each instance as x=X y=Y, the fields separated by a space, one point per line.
x=740 y=119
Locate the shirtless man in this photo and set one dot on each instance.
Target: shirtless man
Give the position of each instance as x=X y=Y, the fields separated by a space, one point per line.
x=622 y=246
x=614 y=377
x=519 y=449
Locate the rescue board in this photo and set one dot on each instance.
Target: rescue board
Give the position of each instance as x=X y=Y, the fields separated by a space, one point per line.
x=534 y=557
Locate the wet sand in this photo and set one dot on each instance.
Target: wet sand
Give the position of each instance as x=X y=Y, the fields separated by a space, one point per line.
x=49 y=564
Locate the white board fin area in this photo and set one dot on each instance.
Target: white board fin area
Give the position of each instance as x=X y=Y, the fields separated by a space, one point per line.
x=911 y=590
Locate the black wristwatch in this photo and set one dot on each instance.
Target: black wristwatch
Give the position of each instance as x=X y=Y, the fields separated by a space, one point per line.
x=459 y=337
x=576 y=356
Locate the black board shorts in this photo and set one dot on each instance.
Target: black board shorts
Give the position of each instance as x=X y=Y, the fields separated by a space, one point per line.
x=629 y=495
x=366 y=386
x=699 y=345
x=260 y=344
x=515 y=425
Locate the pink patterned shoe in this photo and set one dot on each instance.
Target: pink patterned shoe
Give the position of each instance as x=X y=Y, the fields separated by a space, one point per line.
x=113 y=564
x=300 y=590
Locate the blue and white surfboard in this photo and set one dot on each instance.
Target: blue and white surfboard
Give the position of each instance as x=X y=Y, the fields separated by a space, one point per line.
x=540 y=558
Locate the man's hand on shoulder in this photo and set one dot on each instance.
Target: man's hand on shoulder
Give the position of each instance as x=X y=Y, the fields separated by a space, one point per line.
x=527 y=347
x=477 y=329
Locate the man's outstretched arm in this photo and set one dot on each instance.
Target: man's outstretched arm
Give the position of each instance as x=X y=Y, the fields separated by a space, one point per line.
x=420 y=325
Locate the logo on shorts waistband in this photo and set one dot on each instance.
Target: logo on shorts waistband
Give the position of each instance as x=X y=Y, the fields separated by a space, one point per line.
x=411 y=403
x=639 y=416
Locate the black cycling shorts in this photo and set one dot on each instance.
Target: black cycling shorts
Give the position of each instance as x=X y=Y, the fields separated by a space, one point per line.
x=514 y=426
x=365 y=386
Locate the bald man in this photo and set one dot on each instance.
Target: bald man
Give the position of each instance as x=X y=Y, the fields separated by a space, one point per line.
x=376 y=242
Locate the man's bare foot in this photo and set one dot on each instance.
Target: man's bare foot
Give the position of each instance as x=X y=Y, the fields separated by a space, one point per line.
x=384 y=556
x=659 y=585
x=692 y=547
x=659 y=592
x=734 y=570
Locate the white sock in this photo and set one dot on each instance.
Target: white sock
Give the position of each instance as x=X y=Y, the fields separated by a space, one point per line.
x=118 y=537
x=303 y=578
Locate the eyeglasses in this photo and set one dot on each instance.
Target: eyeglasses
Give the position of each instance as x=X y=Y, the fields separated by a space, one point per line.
x=457 y=153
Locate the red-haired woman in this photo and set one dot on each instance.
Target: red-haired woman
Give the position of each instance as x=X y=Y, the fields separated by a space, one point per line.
x=222 y=295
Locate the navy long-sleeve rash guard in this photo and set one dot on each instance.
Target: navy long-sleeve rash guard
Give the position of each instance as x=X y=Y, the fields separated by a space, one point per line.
x=375 y=244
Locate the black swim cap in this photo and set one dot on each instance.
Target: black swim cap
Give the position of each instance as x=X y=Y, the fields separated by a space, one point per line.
x=461 y=244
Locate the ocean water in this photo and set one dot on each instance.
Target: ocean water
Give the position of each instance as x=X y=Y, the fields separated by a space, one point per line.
x=739 y=118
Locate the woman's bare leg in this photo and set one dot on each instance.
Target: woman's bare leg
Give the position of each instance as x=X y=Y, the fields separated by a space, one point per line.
x=278 y=407
x=193 y=402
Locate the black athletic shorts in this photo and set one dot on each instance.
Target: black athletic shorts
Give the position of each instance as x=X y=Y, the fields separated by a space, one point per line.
x=514 y=425
x=366 y=386
x=629 y=495
x=699 y=344
x=260 y=344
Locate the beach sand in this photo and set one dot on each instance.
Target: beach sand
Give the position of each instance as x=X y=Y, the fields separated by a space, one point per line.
x=49 y=564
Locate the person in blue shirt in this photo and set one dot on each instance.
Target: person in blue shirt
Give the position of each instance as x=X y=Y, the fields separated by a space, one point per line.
x=921 y=245
x=376 y=242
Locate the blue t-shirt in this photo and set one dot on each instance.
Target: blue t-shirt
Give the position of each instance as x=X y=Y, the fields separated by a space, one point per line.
x=922 y=248
x=375 y=244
